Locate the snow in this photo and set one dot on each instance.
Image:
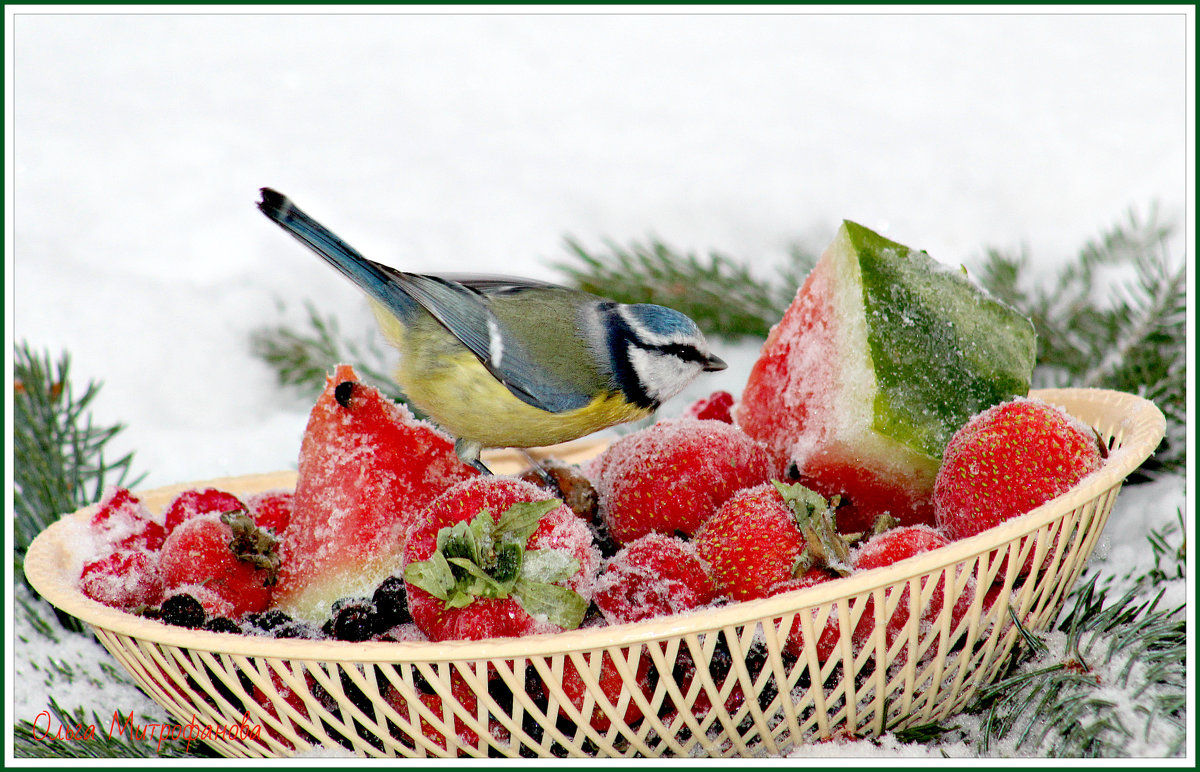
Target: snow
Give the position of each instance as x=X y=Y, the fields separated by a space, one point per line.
x=476 y=142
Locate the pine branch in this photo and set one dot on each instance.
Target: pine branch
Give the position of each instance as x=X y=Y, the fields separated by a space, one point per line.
x=59 y=453
x=718 y=292
x=1074 y=699
x=302 y=359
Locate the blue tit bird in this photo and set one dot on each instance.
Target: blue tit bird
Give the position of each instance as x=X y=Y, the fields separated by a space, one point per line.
x=506 y=362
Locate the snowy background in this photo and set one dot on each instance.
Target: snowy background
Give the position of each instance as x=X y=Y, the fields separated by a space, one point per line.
x=477 y=142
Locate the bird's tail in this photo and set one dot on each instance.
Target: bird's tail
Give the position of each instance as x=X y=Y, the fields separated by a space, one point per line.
x=370 y=276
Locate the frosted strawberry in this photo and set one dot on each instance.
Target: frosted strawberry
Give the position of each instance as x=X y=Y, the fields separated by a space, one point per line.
x=122 y=522
x=271 y=509
x=654 y=575
x=198 y=502
x=433 y=702
x=829 y=633
x=123 y=579
x=367 y=470
x=899 y=544
x=717 y=406
x=227 y=556
x=610 y=684
x=1008 y=460
x=764 y=535
x=671 y=476
x=497 y=557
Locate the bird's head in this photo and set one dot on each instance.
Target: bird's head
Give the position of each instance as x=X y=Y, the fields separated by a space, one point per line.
x=656 y=352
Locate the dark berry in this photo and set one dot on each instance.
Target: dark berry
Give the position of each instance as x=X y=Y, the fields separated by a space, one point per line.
x=343 y=392
x=182 y=610
x=391 y=603
x=295 y=629
x=268 y=620
x=355 y=621
x=222 y=625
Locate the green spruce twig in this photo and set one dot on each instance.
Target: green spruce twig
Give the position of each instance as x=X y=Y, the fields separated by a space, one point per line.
x=59 y=452
x=1117 y=677
x=717 y=291
x=301 y=359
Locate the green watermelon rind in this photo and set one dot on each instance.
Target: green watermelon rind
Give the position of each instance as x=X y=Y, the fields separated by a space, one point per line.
x=942 y=349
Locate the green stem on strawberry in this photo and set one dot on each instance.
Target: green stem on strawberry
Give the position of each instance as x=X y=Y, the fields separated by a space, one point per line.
x=490 y=558
x=824 y=547
x=253 y=544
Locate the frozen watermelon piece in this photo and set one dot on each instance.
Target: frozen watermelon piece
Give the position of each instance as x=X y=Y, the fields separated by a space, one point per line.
x=882 y=356
x=367 y=470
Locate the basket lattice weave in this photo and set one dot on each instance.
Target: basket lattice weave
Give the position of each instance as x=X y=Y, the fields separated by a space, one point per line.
x=743 y=695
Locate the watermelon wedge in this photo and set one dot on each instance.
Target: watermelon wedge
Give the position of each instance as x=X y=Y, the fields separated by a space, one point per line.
x=367 y=470
x=882 y=356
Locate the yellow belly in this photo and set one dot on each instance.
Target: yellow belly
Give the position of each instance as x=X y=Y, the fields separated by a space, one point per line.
x=449 y=384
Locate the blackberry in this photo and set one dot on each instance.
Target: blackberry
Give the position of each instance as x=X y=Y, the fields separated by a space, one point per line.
x=182 y=610
x=355 y=621
x=268 y=620
x=222 y=625
x=391 y=603
x=295 y=629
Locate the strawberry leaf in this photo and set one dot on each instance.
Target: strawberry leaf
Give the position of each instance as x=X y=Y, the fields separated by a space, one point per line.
x=519 y=521
x=434 y=576
x=550 y=566
x=561 y=606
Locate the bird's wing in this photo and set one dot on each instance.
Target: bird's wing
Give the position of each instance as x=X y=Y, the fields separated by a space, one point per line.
x=464 y=311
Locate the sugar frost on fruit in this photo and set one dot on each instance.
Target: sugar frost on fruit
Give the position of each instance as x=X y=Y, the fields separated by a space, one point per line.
x=879 y=359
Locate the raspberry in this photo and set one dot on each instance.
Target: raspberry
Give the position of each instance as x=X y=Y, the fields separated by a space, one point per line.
x=717 y=406
x=123 y=579
x=122 y=522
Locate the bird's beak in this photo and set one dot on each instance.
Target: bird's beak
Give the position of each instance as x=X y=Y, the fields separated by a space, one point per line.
x=714 y=364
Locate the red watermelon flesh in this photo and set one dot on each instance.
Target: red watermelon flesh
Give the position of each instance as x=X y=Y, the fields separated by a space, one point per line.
x=367 y=470
x=882 y=355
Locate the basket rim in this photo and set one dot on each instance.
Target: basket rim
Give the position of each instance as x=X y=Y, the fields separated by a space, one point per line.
x=1143 y=427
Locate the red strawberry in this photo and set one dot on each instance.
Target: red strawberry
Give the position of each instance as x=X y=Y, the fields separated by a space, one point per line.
x=198 y=502
x=610 y=685
x=289 y=695
x=494 y=557
x=1007 y=460
x=227 y=556
x=759 y=538
x=122 y=522
x=829 y=633
x=717 y=406
x=671 y=476
x=272 y=509
x=433 y=702
x=899 y=544
x=367 y=470
x=123 y=579
x=654 y=575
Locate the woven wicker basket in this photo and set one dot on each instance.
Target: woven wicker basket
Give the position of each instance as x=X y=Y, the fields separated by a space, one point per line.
x=717 y=683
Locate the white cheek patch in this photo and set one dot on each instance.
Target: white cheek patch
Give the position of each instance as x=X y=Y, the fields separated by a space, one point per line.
x=662 y=376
